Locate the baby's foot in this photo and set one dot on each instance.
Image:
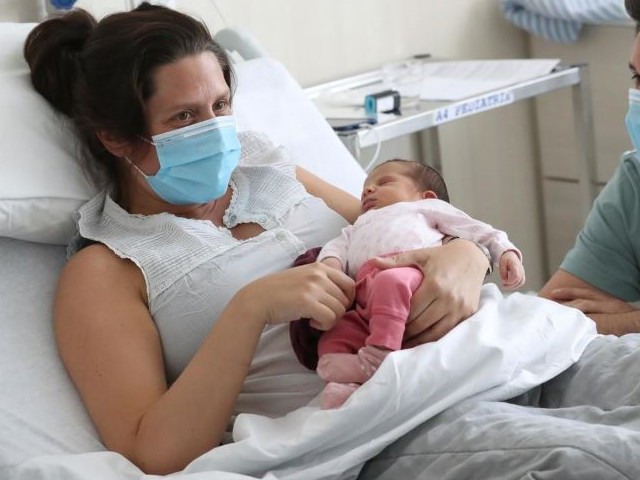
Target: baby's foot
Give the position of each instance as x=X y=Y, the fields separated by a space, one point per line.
x=335 y=394
x=372 y=357
x=350 y=367
x=342 y=368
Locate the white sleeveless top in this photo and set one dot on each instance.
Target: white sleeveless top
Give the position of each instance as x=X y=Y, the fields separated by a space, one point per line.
x=192 y=268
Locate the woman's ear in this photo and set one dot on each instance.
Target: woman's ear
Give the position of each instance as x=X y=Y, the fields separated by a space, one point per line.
x=115 y=145
x=429 y=194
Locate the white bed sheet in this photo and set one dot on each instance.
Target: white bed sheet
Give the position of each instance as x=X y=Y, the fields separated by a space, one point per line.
x=40 y=411
x=509 y=346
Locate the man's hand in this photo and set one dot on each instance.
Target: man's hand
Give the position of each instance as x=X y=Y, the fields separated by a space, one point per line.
x=611 y=314
x=589 y=300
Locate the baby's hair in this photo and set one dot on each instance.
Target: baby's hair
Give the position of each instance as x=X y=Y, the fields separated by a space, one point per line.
x=424 y=177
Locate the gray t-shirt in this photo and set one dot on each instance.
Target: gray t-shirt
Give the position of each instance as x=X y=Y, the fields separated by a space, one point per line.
x=607 y=250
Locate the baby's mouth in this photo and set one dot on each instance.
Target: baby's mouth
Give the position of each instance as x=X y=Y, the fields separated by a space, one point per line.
x=368 y=203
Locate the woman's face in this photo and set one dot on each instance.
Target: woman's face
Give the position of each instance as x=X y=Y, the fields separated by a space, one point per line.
x=188 y=91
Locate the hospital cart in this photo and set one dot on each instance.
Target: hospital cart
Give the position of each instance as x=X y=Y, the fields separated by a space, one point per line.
x=429 y=115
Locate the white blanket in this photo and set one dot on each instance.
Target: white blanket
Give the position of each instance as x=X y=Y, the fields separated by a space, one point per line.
x=509 y=346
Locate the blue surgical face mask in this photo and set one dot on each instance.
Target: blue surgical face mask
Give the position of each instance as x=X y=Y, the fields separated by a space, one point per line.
x=196 y=162
x=632 y=119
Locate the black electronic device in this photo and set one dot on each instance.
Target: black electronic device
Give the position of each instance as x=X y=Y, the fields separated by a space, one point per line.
x=348 y=124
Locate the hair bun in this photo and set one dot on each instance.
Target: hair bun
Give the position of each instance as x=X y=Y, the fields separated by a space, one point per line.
x=53 y=50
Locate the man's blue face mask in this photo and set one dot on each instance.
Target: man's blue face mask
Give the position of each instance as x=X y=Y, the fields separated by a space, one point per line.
x=196 y=162
x=632 y=120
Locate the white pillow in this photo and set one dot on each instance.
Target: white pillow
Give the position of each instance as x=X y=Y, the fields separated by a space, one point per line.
x=13 y=36
x=42 y=184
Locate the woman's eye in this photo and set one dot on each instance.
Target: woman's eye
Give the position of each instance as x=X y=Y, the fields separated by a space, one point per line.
x=221 y=105
x=183 y=116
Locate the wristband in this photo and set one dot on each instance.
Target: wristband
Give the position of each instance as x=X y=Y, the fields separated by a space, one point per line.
x=485 y=250
x=482 y=248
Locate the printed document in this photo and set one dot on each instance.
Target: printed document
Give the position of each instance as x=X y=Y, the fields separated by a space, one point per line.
x=456 y=80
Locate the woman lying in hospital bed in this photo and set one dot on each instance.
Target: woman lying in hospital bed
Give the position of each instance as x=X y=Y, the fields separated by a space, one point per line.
x=161 y=392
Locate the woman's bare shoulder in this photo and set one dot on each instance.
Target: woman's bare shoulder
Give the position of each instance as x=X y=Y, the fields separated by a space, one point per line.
x=97 y=267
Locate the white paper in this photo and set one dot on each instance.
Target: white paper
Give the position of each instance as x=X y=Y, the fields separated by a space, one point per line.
x=453 y=81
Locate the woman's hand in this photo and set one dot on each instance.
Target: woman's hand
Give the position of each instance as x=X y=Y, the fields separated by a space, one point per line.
x=315 y=291
x=450 y=292
x=333 y=262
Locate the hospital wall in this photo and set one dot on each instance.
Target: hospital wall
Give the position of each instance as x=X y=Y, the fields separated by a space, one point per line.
x=607 y=49
x=490 y=162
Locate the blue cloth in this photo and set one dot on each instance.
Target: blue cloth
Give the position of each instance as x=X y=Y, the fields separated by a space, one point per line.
x=561 y=20
x=62 y=4
x=607 y=250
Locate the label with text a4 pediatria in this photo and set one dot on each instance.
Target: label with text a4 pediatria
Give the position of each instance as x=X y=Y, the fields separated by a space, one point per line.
x=473 y=106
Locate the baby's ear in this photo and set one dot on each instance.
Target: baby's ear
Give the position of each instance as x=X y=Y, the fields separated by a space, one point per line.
x=429 y=194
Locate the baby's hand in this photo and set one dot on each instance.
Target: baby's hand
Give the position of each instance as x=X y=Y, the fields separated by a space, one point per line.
x=511 y=270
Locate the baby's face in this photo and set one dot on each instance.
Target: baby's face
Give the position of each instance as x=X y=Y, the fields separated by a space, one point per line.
x=386 y=185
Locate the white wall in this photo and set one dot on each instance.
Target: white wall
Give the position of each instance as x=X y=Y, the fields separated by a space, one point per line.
x=489 y=162
x=341 y=37
x=607 y=50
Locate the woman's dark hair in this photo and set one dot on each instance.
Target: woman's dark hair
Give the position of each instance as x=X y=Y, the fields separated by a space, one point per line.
x=633 y=9
x=424 y=177
x=101 y=73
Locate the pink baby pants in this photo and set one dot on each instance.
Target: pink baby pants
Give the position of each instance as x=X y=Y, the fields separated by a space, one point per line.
x=380 y=313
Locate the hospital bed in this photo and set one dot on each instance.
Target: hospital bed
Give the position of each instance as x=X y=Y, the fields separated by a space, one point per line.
x=45 y=431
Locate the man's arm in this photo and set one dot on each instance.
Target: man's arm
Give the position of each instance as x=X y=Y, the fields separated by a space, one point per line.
x=611 y=314
x=617 y=323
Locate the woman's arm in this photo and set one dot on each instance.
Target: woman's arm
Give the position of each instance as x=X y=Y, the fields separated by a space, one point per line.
x=338 y=200
x=450 y=292
x=112 y=351
x=611 y=314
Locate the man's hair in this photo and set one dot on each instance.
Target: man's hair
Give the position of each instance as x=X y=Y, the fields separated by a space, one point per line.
x=424 y=177
x=633 y=9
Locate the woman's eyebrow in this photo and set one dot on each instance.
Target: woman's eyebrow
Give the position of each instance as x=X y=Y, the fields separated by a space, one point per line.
x=632 y=67
x=197 y=102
